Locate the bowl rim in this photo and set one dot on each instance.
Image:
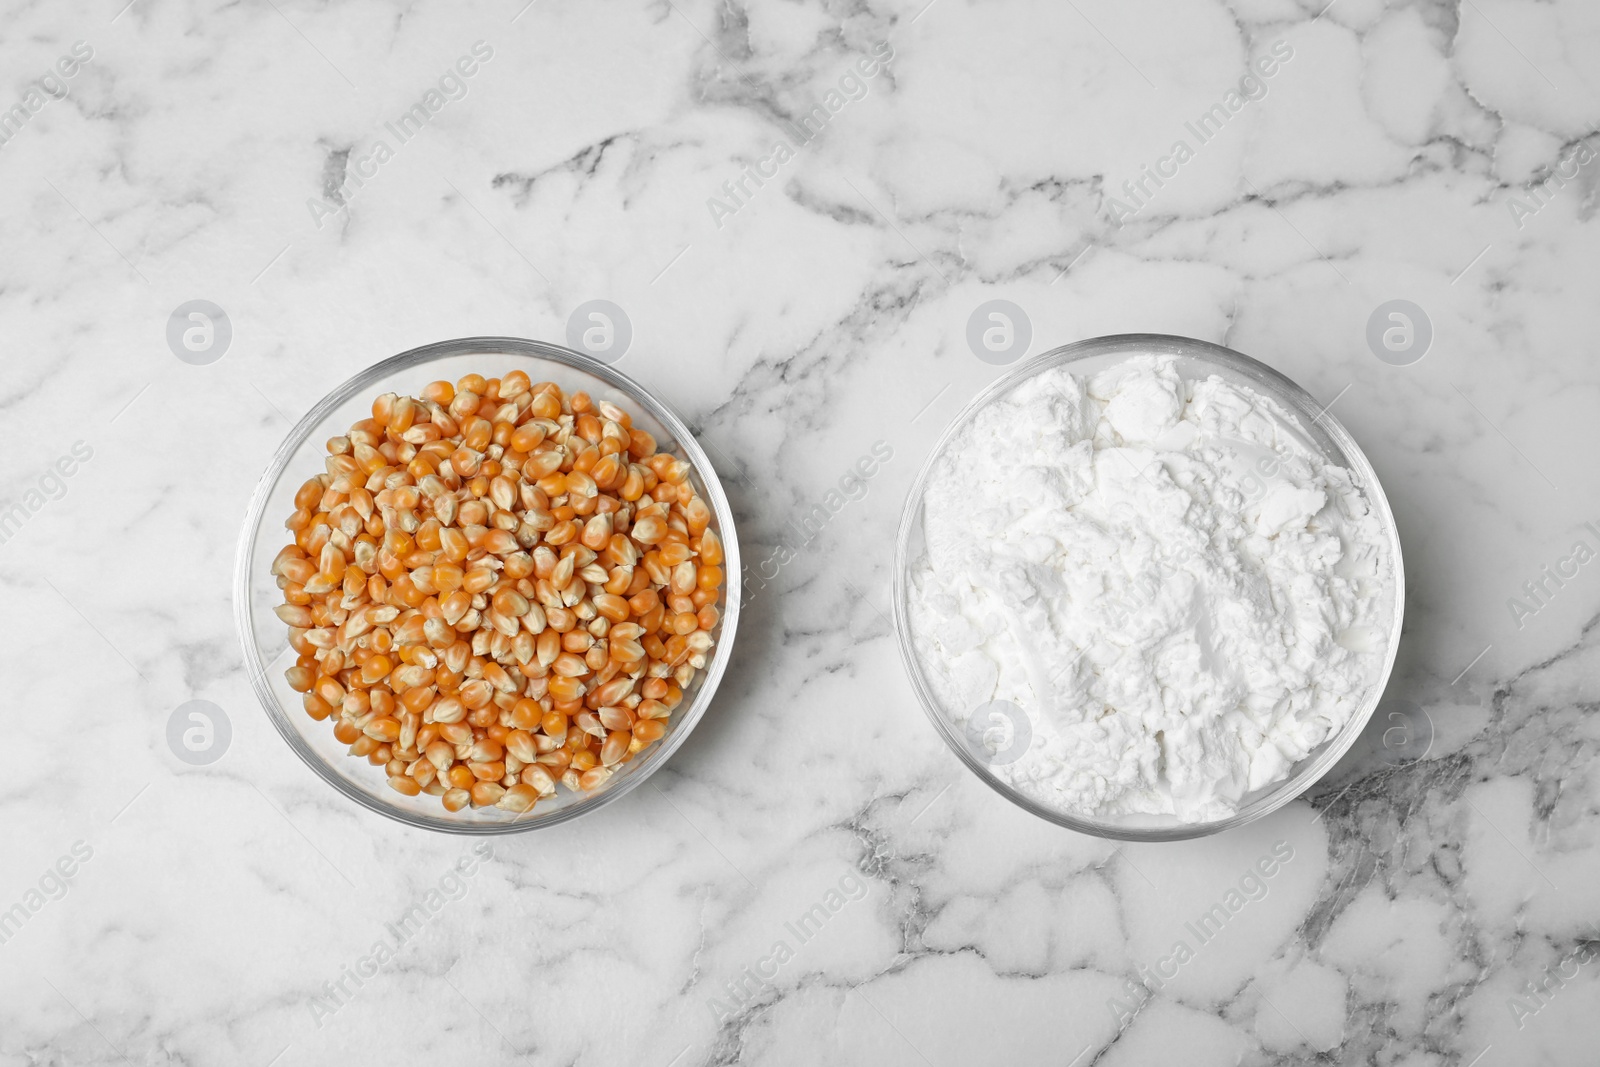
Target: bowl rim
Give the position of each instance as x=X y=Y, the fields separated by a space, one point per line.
x=1133 y=344
x=364 y=379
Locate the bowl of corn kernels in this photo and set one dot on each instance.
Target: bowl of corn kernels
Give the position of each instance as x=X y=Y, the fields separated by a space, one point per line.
x=487 y=585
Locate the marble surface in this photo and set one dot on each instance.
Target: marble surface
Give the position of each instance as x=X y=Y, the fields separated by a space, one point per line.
x=216 y=914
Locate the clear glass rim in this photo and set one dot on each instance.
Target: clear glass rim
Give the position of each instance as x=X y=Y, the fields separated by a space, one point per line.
x=366 y=379
x=1309 y=772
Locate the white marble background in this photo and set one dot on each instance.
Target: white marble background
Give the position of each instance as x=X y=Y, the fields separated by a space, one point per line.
x=828 y=313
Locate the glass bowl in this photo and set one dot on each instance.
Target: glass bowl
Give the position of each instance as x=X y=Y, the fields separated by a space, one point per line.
x=1195 y=359
x=266 y=649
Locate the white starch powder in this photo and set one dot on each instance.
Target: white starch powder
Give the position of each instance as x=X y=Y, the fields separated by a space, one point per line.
x=1180 y=593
